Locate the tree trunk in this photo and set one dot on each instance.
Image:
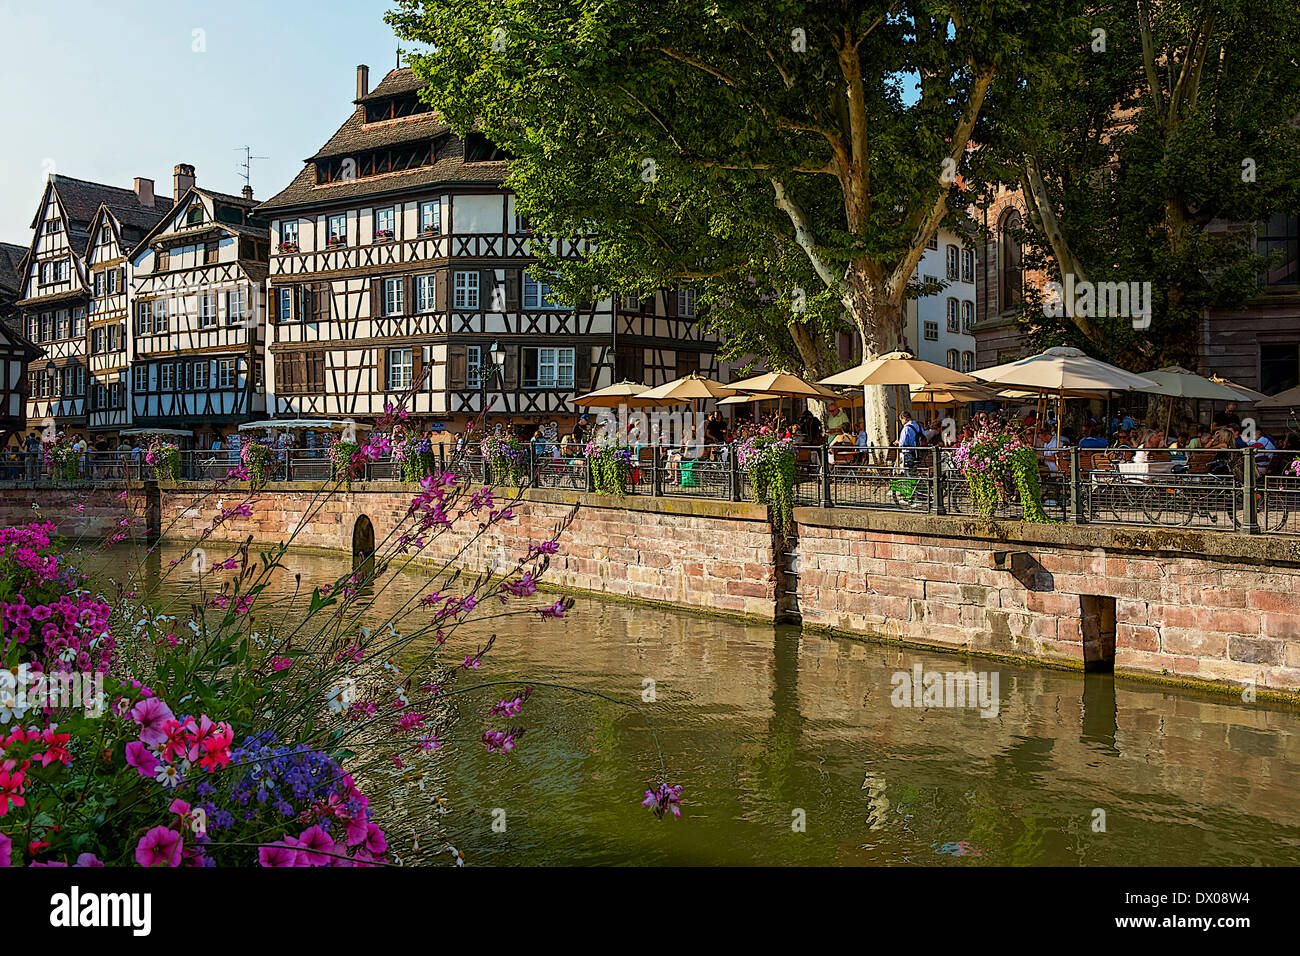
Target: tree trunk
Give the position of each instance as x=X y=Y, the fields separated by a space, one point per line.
x=880 y=321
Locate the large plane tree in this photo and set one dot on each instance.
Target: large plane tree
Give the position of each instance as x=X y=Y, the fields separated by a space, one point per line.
x=791 y=159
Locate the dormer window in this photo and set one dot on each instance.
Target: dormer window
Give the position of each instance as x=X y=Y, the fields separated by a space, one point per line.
x=394 y=107
x=194 y=215
x=480 y=149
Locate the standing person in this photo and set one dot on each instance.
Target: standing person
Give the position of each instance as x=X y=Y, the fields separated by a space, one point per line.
x=836 y=418
x=32 y=447
x=910 y=438
x=715 y=429
x=580 y=430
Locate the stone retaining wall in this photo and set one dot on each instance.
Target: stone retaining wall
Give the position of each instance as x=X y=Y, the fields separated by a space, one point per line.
x=1194 y=605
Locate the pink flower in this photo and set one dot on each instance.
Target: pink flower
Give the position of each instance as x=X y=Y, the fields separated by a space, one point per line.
x=6 y=850
x=159 y=847
x=88 y=859
x=142 y=758
x=278 y=854
x=151 y=714
x=315 y=846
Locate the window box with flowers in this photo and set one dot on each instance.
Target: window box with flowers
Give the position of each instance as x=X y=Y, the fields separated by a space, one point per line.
x=288 y=247
x=384 y=235
x=430 y=231
x=336 y=242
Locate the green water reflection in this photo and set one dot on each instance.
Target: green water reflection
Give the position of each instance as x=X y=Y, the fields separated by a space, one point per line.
x=765 y=725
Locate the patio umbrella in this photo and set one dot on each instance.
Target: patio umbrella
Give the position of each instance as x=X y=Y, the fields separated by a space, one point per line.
x=693 y=388
x=1288 y=399
x=898 y=369
x=1063 y=371
x=621 y=393
x=1178 y=382
x=783 y=385
x=1247 y=395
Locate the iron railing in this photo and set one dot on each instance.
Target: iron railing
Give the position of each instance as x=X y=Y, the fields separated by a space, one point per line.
x=1247 y=490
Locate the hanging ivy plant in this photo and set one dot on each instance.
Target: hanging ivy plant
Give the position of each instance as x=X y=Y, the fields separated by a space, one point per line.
x=165 y=458
x=610 y=464
x=344 y=455
x=505 y=455
x=257 y=458
x=994 y=461
x=768 y=459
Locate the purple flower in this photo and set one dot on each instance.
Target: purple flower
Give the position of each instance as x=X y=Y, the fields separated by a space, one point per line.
x=315 y=846
x=159 y=847
x=142 y=758
x=88 y=859
x=6 y=849
x=150 y=714
x=278 y=854
x=664 y=799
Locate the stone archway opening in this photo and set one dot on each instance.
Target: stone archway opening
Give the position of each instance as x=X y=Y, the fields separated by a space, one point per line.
x=363 y=548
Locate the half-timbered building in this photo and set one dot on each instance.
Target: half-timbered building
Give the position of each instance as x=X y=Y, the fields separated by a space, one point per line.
x=57 y=288
x=198 y=308
x=15 y=351
x=399 y=257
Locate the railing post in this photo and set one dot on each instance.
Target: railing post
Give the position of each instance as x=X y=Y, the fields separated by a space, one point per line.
x=1077 y=511
x=828 y=499
x=733 y=470
x=442 y=458
x=656 y=474
x=1249 y=510
x=936 y=480
x=591 y=478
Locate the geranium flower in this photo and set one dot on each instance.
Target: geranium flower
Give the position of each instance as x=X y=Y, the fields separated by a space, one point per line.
x=12 y=785
x=159 y=847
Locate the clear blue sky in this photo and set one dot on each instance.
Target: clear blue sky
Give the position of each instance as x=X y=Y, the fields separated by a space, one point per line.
x=107 y=90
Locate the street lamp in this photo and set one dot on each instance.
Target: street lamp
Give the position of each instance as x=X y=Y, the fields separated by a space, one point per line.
x=486 y=376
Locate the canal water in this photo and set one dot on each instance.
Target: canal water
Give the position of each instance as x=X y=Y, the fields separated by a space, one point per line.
x=790 y=751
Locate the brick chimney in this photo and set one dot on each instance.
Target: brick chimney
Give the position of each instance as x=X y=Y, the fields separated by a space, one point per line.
x=144 y=192
x=363 y=80
x=183 y=179
x=247 y=192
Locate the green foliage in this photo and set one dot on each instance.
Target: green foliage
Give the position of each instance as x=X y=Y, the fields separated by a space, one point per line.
x=1141 y=166
x=785 y=159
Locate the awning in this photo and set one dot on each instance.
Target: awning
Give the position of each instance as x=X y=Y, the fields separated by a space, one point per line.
x=177 y=432
x=284 y=424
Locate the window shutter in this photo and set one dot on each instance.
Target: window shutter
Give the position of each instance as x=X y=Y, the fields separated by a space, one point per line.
x=513 y=280
x=670 y=303
x=486 y=285
x=324 y=292
x=440 y=292
x=511 y=371
x=383 y=370
x=582 y=369
x=376 y=298
x=121 y=279
x=408 y=296
x=457 y=373
x=417 y=363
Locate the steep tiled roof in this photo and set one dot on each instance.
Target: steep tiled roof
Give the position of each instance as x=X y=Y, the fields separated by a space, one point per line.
x=10 y=272
x=81 y=199
x=355 y=136
x=449 y=167
x=398 y=81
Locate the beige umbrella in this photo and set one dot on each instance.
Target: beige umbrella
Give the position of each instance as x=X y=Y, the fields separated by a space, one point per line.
x=952 y=394
x=1247 y=395
x=746 y=399
x=782 y=383
x=1288 y=399
x=898 y=369
x=1063 y=371
x=693 y=388
x=621 y=393
x=1178 y=382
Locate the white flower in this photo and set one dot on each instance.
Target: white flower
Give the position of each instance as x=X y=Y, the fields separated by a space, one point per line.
x=168 y=775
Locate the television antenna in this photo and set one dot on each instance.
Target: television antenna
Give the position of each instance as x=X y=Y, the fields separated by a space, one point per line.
x=247 y=164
